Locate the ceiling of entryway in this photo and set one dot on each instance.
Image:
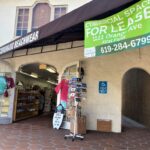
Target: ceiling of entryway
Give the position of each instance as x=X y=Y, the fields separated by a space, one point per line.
x=42 y=73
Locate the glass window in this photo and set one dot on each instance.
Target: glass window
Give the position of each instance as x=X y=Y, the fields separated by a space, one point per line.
x=41 y=15
x=22 y=21
x=59 y=11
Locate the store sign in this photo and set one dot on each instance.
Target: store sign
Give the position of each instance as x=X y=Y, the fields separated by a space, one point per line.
x=34 y=36
x=125 y=30
x=103 y=87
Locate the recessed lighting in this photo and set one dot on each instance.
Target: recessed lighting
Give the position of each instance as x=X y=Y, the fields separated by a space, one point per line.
x=52 y=70
x=34 y=75
x=42 y=66
x=52 y=82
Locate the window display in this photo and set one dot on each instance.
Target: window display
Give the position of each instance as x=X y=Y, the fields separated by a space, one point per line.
x=6 y=83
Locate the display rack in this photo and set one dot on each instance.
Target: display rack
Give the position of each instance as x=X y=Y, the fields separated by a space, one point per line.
x=74 y=135
x=26 y=105
x=77 y=91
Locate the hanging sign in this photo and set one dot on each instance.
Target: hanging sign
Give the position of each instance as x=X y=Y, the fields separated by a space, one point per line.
x=125 y=30
x=103 y=87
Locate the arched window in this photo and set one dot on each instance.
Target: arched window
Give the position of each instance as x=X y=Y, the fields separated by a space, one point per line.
x=41 y=15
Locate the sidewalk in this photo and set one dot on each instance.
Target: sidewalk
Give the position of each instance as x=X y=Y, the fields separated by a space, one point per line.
x=37 y=134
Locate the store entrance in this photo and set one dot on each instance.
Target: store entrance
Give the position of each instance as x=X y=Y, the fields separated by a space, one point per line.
x=136 y=98
x=35 y=93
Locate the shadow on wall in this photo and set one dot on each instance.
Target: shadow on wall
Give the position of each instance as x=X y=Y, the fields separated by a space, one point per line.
x=136 y=96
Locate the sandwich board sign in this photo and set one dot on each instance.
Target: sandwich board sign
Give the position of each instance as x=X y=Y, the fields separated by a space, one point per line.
x=57 y=120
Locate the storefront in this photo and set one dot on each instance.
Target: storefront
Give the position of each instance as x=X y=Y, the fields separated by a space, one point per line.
x=63 y=48
x=34 y=90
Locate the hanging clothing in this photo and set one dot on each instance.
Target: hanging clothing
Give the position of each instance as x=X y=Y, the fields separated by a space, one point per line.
x=63 y=88
x=3 y=85
x=6 y=94
x=10 y=82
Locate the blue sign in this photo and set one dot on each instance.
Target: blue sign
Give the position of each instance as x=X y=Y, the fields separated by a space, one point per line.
x=103 y=87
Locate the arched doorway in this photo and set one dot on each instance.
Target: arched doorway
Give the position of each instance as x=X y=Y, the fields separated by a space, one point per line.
x=35 y=95
x=136 y=98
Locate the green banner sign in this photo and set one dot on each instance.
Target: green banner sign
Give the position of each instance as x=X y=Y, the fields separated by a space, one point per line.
x=125 y=30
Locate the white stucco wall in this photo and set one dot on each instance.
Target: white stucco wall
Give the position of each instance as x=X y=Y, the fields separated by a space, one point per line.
x=110 y=68
x=8 y=14
x=73 y=4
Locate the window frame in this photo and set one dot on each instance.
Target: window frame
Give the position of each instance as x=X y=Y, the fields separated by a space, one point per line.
x=60 y=6
x=51 y=11
x=52 y=15
x=16 y=19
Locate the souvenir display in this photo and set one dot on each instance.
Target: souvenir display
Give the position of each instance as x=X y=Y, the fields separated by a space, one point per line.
x=76 y=93
x=77 y=90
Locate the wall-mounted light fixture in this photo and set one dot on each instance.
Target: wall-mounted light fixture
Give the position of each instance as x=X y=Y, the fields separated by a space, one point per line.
x=47 y=67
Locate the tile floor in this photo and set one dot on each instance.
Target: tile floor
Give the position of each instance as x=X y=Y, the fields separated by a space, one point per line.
x=37 y=134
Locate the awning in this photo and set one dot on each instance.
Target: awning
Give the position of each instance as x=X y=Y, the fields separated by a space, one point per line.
x=69 y=27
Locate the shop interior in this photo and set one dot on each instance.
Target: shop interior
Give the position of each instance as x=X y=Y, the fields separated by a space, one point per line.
x=34 y=93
